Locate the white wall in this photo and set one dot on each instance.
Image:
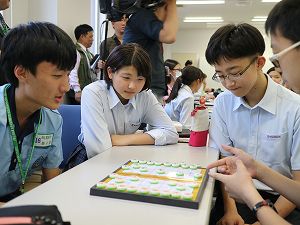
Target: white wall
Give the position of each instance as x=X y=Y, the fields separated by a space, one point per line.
x=41 y=10
x=67 y=14
x=21 y=7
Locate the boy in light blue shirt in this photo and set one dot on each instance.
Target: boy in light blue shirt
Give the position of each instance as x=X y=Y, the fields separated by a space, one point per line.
x=36 y=59
x=255 y=114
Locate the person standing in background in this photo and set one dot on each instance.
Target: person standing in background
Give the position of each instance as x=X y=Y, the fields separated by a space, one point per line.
x=150 y=28
x=113 y=41
x=4 y=28
x=82 y=75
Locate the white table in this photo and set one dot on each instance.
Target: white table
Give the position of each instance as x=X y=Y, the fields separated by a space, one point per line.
x=70 y=191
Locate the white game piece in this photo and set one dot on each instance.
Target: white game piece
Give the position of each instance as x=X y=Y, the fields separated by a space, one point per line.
x=101 y=185
x=197 y=175
x=175 y=165
x=136 y=166
x=111 y=187
x=154 y=192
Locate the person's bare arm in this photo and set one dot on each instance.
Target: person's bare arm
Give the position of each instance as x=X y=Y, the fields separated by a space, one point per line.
x=132 y=139
x=261 y=172
x=287 y=187
x=247 y=193
x=170 y=24
x=265 y=215
x=50 y=173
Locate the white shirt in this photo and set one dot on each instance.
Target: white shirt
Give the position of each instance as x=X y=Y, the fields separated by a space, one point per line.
x=73 y=77
x=180 y=108
x=102 y=114
x=269 y=131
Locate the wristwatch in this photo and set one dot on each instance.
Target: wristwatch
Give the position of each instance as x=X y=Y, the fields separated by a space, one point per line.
x=266 y=202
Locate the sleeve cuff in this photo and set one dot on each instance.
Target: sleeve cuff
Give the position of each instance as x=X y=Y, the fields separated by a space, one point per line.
x=159 y=137
x=76 y=89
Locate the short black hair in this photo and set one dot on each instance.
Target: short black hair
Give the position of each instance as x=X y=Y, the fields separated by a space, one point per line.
x=285 y=17
x=130 y=54
x=234 y=41
x=30 y=44
x=171 y=63
x=189 y=75
x=188 y=62
x=273 y=69
x=82 y=29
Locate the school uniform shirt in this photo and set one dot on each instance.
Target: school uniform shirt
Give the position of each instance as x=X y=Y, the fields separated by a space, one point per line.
x=103 y=114
x=180 y=108
x=269 y=131
x=47 y=152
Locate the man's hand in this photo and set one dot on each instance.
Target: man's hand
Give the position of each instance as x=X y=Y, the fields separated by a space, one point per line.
x=101 y=64
x=227 y=165
x=239 y=184
x=78 y=96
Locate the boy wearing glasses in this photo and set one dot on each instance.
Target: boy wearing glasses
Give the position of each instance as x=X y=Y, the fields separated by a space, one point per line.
x=254 y=114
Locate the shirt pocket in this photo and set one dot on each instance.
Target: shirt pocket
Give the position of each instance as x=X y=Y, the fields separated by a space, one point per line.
x=37 y=164
x=132 y=126
x=274 y=148
x=10 y=182
x=39 y=157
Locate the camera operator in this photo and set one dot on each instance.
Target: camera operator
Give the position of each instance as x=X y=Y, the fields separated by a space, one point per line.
x=112 y=42
x=150 y=28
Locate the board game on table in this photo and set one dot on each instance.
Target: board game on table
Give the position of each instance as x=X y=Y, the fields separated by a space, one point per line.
x=176 y=184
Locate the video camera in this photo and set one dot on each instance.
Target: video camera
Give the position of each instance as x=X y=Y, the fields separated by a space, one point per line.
x=115 y=9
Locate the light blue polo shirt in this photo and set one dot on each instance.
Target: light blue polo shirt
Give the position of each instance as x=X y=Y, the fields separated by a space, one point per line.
x=47 y=152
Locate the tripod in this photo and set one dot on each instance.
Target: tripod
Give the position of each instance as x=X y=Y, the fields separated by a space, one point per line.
x=105 y=46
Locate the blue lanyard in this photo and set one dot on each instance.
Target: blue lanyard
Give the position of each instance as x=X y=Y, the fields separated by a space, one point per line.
x=11 y=124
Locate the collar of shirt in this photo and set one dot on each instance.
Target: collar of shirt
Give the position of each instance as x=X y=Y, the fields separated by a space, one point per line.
x=20 y=133
x=113 y=99
x=34 y=118
x=187 y=88
x=268 y=102
x=117 y=41
x=83 y=47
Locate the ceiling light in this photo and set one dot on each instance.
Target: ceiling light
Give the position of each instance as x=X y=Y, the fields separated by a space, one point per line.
x=270 y=0
x=210 y=2
x=203 y=20
x=259 y=19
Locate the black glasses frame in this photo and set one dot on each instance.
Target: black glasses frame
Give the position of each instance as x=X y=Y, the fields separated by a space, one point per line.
x=232 y=77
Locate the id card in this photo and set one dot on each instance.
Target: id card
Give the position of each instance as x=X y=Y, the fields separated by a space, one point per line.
x=43 y=140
